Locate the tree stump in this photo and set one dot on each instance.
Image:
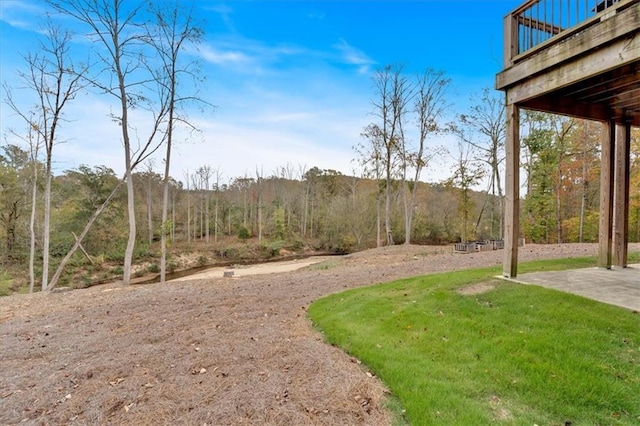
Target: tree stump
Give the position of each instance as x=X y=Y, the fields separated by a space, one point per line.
x=228 y=274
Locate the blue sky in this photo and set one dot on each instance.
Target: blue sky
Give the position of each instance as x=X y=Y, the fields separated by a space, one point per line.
x=291 y=80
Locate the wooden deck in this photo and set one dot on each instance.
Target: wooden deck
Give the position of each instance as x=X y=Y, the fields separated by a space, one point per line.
x=590 y=70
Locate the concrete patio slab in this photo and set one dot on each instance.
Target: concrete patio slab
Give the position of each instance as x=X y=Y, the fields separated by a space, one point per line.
x=617 y=286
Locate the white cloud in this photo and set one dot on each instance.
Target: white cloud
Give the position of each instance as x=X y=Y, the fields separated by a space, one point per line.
x=222 y=57
x=353 y=56
x=20 y=13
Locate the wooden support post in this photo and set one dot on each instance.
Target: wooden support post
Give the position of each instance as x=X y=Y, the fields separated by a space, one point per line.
x=621 y=195
x=606 y=195
x=512 y=193
x=510 y=43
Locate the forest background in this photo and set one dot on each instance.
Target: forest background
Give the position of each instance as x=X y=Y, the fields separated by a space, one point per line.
x=90 y=225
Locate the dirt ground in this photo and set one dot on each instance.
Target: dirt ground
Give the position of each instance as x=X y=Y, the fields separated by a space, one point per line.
x=206 y=351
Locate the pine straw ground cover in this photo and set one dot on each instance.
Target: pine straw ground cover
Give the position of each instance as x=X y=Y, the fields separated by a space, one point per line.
x=216 y=352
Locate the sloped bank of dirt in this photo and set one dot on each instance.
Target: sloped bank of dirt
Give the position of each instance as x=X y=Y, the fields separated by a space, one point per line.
x=217 y=351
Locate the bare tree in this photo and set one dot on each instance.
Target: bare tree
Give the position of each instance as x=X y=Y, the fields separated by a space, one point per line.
x=204 y=174
x=370 y=158
x=33 y=142
x=55 y=81
x=218 y=175
x=304 y=199
x=259 y=189
x=187 y=180
x=169 y=35
x=34 y=147
x=430 y=106
x=392 y=94
x=466 y=174
x=150 y=175
x=114 y=26
x=484 y=128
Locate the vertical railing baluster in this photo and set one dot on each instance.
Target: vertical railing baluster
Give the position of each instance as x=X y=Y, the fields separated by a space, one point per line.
x=530 y=28
x=553 y=21
x=543 y=19
x=578 y=11
x=546 y=17
x=537 y=6
x=553 y=17
x=586 y=9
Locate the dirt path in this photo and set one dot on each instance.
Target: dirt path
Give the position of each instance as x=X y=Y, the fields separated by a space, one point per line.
x=216 y=351
x=259 y=269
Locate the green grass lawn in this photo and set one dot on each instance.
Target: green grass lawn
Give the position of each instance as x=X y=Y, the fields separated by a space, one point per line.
x=516 y=354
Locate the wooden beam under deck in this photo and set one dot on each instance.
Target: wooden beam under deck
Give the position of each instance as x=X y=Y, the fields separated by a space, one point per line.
x=567 y=107
x=571 y=108
x=627 y=100
x=601 y=86
x=614 y=55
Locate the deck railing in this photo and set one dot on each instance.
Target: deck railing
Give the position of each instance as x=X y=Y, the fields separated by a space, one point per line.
x=537 y=21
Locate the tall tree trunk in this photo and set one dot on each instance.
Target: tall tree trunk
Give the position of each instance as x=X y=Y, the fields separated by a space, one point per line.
x=215 y=225
x=149 y=215
x=259 y=187
x=559 y=205
x=165 y=191
x=32 y=231
x=173 y=216
x=387 y=208
x=46 y=226
x=207 y=214
x=131 y=241
x=585 y=189
x=378 y=218
x=188 y=216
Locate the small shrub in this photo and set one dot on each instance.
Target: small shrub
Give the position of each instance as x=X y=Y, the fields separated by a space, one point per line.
x=5 y=284
x=153 y=268
x=243 y=233
x=296 y=245
x=271 y=250
x=116 y=255
x=202 y=260
x=141 y=251
x=229 y=253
